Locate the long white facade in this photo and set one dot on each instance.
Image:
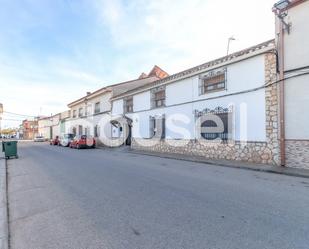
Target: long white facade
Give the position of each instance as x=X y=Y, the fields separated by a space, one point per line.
x=244 y=94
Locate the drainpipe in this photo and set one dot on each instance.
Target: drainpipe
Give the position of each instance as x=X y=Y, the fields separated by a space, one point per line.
x=281 y=94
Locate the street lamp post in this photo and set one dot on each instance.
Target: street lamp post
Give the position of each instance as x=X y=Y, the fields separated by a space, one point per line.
x=228 y=44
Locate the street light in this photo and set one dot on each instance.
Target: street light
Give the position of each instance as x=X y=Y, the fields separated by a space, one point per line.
x=228 y=44
x=281 y=5
x=280 y=11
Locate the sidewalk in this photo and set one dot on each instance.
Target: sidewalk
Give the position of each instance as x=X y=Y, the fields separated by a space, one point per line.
x=3 y=206
x=226 y=163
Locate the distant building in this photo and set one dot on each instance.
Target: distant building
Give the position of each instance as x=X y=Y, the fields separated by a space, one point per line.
x=91 y=114
x=55 y=125
x=29 y=129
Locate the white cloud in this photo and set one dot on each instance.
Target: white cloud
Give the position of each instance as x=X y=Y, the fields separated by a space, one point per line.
x=195 y=30
x=172 y=34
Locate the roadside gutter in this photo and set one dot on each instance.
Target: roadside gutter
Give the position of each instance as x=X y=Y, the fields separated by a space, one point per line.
x=232 y=164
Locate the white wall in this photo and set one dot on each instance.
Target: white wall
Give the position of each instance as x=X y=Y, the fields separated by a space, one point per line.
x=117 y=107
x=296 y=43
x=141 y=101
x=296 y=106
x=182 y=99
x=296 y=54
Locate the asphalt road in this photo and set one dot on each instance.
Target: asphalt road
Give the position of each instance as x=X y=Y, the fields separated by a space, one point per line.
x=65 y=198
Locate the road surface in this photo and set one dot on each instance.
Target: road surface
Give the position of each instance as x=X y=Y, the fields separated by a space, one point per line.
x=66 y=198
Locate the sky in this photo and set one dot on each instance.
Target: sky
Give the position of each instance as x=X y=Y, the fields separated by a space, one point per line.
x=54 y=51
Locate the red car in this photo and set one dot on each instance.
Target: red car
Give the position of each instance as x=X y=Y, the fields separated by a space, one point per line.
x=83 y=141
x=55 y=141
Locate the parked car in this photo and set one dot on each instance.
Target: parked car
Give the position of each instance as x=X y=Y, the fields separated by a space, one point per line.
x=66 y=139
x=54 y=141
x=39 y=139
x=83 y=141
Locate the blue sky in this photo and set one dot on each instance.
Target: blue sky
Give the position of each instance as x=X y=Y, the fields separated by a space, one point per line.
x=54 y=51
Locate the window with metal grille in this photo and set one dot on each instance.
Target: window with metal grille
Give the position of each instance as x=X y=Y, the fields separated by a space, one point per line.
x=208 y=126
x=215 y=83
x=97 y=107
x=157 y=127
x=128 y=106
x=159 y=98
x=212 y=82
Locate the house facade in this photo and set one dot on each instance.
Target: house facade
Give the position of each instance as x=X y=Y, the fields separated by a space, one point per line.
x=223 y=109
x=50 y=127
x=293 y=55
x=91 y=114
x=29 y=129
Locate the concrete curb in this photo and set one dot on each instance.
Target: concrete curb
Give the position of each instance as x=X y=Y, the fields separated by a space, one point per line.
x=231 y=164
x=4 y=232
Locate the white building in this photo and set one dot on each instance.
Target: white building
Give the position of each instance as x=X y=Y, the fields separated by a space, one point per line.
x=224 y=99
x=50 y=127
x=293 y=39
x=91 y=114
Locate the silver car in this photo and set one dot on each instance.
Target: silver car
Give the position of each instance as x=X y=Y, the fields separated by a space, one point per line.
x=39 y=139
x=66 y=139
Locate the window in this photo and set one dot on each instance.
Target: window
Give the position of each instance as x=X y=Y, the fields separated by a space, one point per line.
x=216 y=124
x=88 y=110
x=128 y=106
x=80 y=130
x=158 y=97
x=212 y=129
x=87 y=131
x=80 y=112
x=157 y=127
x=97 y=107
x=96 y=131
x=74 y=114
x=213 y=81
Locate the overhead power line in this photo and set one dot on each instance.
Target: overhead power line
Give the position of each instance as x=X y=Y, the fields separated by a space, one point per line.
x=17 y=114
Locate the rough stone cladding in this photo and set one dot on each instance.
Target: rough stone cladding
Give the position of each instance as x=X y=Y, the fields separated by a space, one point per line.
x=297 y=153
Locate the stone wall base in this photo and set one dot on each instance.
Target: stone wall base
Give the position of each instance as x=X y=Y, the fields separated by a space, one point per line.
x=255 y=152
x=297 y=153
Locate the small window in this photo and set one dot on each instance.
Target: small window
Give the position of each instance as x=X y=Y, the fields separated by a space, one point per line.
x=88 y=110
x=80 y=112
x=80 y=130
x=208 y=125
x=74 y=114
x=160 y=98
x=96 y=131
x=128 y=105
x=213 y=82
x=97 y=107
x=157 y=127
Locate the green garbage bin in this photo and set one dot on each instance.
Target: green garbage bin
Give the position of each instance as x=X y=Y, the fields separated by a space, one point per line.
x=10 y=149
